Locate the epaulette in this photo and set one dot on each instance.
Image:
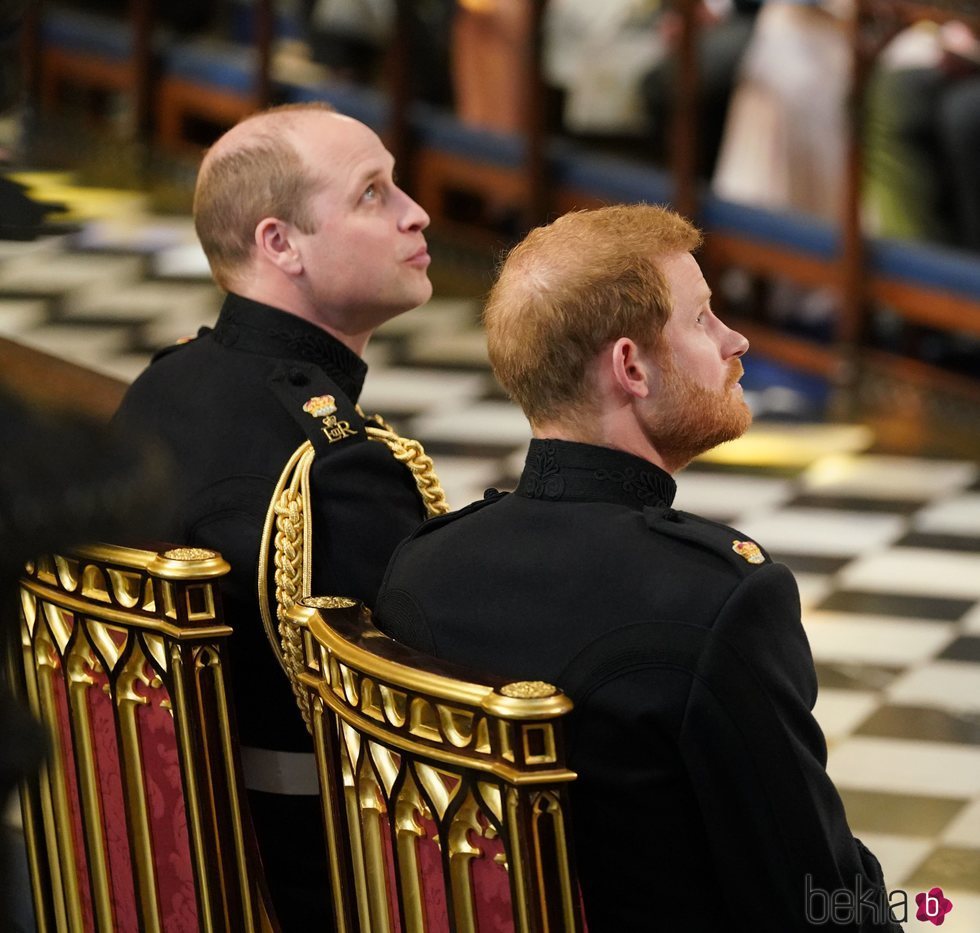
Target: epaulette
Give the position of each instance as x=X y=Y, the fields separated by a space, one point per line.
x=179 y=344
x=741 y=552
x=327 y=417
x=431 y=524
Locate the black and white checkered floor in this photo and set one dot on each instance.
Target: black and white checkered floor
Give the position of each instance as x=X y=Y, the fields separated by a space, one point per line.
x=886 y=549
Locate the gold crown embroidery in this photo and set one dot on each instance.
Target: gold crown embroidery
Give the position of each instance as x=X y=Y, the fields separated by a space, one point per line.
x=320 y=406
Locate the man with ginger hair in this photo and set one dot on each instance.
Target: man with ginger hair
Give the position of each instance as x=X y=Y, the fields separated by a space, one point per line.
x=303 y=226
x=702 y=801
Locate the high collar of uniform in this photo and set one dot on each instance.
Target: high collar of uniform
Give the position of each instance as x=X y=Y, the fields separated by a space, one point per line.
x=568 y=471
x=258 y=328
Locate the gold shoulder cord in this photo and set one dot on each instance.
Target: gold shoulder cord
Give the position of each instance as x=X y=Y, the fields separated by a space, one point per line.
x=410 y=452
x=293 y=536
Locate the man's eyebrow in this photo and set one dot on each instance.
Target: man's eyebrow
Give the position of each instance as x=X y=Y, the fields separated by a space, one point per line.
x=372 y=174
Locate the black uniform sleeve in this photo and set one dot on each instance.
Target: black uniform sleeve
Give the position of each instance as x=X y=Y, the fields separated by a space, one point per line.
x=757 y=761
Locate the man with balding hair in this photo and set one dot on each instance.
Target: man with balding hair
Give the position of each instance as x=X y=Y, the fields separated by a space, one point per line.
x=702 y=801
x=303 y=226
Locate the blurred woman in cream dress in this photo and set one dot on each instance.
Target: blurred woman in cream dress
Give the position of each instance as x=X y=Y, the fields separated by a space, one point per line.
x=785 y=136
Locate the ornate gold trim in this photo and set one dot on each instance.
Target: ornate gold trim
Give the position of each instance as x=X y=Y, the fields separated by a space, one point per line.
x=528 y=690
x=425 y=682
x=90 y=802
x=121 y=616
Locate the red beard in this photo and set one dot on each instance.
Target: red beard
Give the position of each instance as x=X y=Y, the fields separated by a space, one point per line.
x=689 y=419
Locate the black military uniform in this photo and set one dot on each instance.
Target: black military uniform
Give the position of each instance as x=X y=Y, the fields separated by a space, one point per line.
x=702 y=801
x=230 y=406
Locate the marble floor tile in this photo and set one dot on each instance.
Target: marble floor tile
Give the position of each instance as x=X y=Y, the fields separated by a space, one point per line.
x=840 y=712
x=37 y=274
x=906 y=767
x=180 y=323
x=821 y=564
x=867 y=639
x=849 y=675
x=186 y=261
x=724 y=496
x=464 y=479
x=438 y=316
x=900 y=814
x=150 y=300
x=916 y=571
x=466 y=349
x=135 y=235
x=903 y=721
x=955 y=515
x=888 y=476
x=485 y=422
x=950 y=867
x=408 y=389
x=970 y=623
x=21 y=314
x=813 y=588
x=964 y=828
x=789 y=446
x=87 y=346
x=855 y=503
x=964 y=648
x=947 y=685
x=941 y=541
x=900 y=605
x=899 y=856
x=815 y=531
x=48 y=245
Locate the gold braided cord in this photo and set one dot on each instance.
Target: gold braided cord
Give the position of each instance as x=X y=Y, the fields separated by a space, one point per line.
x=288 y=561
x=292 y=569
x=288 y=531
x=410 y=452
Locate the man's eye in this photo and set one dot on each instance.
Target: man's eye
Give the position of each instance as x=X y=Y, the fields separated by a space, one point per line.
x=701 y=318
x=370 y=193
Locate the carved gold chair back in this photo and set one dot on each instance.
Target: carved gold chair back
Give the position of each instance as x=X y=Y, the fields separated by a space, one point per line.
x=445 y=793
x=135 y=821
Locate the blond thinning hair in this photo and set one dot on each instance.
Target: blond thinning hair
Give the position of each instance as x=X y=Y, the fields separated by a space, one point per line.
x=263 y=176
x=573 y=287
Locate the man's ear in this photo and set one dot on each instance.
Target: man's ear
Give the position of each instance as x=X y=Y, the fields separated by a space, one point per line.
x=273 y=242
x=632 y=370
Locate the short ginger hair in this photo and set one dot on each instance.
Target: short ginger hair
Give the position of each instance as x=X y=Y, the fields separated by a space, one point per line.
x=573 y=287
x=261 y=176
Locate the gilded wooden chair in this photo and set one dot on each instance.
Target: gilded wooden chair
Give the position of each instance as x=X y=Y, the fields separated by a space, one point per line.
x=444 y=793
x=135 y=823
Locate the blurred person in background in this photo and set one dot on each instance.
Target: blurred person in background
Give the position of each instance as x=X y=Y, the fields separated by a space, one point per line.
x=923 y=137
x=785 y=136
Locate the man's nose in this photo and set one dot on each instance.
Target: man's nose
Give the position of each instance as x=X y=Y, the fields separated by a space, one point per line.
x=735 y=344
x=413 y=217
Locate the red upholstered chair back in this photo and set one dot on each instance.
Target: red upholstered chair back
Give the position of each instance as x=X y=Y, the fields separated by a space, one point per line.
x=135 y=822
x=444 y=792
